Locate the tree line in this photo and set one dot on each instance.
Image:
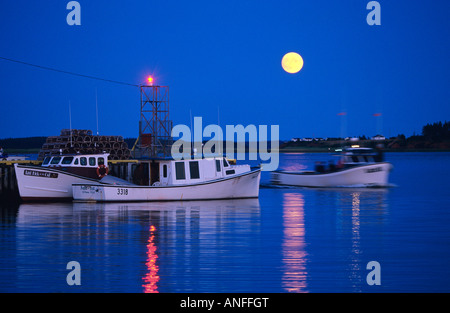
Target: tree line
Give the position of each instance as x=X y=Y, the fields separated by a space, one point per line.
x=22 y=143
x=437 y=132
x=432 y=132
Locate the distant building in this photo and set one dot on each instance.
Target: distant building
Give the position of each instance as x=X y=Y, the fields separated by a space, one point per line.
x=307 y=139
x=295 y=139
x=378 y=137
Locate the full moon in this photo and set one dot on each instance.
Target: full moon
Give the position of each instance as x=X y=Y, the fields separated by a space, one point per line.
x=292 y=62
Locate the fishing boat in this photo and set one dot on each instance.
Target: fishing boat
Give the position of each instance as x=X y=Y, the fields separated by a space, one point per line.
x=169 y=179
x=54 y=178
x=357 y=167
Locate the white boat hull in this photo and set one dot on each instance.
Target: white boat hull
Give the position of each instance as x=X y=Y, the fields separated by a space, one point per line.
x=39 y=183
x=244 y=185
x=368 y=175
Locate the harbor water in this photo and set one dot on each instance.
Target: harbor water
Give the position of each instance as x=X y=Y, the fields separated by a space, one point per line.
x=288 y=240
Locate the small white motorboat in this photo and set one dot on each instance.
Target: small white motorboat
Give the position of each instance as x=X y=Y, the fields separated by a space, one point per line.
x=194 y=179
x=54 y=178
x=358 y=167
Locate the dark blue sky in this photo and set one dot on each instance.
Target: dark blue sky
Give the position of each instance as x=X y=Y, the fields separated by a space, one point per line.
x=226 y=56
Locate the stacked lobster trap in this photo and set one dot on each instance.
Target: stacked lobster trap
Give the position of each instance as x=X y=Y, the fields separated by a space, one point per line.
x=72 y=141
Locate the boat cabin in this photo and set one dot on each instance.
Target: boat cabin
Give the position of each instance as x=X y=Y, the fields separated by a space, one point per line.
x=358 y=156
x=86 y=165
x=168 y=172
x=152 y=172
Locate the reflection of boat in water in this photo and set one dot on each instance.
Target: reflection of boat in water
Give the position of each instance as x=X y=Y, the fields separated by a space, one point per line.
x=196 y=179
x=361 y=167
x=100 y=214
x=131 y=247
x=210 y=207
x=54 y=178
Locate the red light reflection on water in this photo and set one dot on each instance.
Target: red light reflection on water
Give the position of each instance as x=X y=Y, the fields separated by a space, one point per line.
x=151 y=278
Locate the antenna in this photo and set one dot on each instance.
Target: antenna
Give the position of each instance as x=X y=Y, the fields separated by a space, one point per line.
x=70 y=124
x=218 y=116
x=96 y=108
x=192 y=133
x=218 y=150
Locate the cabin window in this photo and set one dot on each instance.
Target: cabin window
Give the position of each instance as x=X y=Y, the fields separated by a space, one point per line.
x=55 y=160
x=165 y=170
x=193 y=169
x=83 y=161
x=179 y=170
x=67 y=160
x=218 y=165
x=101 y=161
x=76 y=161
x=46 y=161
x=225 y=163
x=92 y=161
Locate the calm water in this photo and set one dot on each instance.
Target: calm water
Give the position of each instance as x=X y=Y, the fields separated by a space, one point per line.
x=288 y=240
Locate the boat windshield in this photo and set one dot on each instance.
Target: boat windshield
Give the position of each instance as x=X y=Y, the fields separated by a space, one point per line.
x=46 y=160
x=360 y=151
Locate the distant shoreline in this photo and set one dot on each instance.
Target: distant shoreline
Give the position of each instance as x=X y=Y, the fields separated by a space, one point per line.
x=435 y=137
x=312 y=150
x=281 y=150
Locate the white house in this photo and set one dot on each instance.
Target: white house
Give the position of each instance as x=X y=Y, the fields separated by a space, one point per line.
x=378 y=137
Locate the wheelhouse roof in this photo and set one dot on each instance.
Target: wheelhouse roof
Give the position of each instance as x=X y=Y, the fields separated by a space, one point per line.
x=359 y=151
x=170 y=158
